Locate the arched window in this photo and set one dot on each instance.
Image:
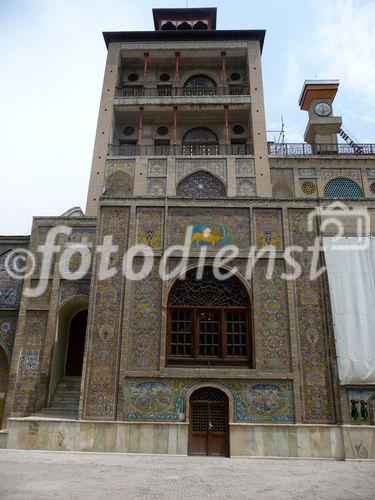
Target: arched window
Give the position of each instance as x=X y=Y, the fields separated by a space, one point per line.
x=200 y=25
x=200 y=141
x=342 y=187
x=184 y=26
x=208 y=321
x=168 y=26
x=200 y=85
x=201 y=185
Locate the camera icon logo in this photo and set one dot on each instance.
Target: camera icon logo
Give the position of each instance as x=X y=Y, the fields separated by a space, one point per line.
x=341 y=216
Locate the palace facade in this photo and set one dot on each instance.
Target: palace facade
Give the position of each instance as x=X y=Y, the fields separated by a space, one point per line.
x=240 y=367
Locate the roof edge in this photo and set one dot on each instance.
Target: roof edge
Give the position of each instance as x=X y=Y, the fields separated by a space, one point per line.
x=136 y=36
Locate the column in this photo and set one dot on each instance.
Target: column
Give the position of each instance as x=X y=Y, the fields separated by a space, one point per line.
x=226 y=111
x=146 y=56
x=223 y=68
x=177 y=71
x=175 y=125
x=140 y=128
x=258 y=121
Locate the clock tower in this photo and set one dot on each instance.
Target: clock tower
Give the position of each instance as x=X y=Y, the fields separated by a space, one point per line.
x=317 y=97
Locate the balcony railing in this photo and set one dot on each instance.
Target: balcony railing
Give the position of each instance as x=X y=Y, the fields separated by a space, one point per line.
x=304 y=149
x=301 y=149
x=179 y=150
x=168 y=91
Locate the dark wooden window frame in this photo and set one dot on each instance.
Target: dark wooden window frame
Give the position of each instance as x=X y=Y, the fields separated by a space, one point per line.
x=223 y=359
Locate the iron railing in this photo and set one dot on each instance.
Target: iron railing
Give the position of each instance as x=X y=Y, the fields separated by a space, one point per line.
x=129 y=91
x=179 y=150
x=301 y=149
x=304 y=149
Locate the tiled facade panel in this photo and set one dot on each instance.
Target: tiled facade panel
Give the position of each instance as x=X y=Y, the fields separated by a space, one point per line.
x=105 y=331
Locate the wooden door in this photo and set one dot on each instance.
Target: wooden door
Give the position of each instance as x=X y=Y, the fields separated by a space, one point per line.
x=209 y=428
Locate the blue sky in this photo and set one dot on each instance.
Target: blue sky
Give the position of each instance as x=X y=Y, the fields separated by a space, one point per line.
x=52 y=58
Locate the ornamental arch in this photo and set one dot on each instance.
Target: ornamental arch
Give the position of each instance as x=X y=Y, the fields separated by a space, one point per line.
x=209 y=321
x=68 y=352
x=342 y=187
x=201 y=184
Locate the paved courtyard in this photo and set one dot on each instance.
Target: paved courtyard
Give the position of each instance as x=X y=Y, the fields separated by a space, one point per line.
x=48 y=475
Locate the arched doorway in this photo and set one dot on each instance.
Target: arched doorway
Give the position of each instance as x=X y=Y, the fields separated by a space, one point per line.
x=209 y=422
x=4 y=379
x=69 y=345
x=76 y=345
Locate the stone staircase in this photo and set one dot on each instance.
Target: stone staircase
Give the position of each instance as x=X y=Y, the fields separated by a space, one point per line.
x=65 y=401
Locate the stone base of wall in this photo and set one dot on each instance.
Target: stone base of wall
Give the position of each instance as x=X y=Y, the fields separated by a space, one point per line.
x=246 y=440
x=3 y=439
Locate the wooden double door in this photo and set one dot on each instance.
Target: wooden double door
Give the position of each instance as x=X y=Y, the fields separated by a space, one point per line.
x=209 y=426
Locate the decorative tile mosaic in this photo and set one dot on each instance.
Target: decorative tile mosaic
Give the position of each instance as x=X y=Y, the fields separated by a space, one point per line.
x=164 y=399
x=127 y=166
x=272 y=316
x=309 y=187
x=371 y=172
x=245 y=167
x=327 y=173
x=186 y=166
x=156 y=186
x=105 y=336
x=307 y=172
x=223 y=225
x=4 y=379
x=42 y=300
x=157 y=167
x=148 y=399
x=8 y=328
x=145 y=320
x=268 y=228
x=119 y=185
x=73 y=288
x=263 y=401
x=246 y=187
x=150 y=226
x=362 y=406
x=317 y=391
x=10 y=289
x=28 y=387
x=82 y=234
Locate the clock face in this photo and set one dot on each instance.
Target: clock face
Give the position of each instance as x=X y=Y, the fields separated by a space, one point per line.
x=323 y=109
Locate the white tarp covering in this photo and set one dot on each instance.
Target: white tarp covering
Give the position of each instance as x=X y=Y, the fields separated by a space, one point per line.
x=351 y=275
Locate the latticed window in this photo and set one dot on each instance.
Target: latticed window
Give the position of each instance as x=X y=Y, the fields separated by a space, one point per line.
x=199 y=85
x=209 y=321
x=201 y=185
x=342 y=187
x=200 y=141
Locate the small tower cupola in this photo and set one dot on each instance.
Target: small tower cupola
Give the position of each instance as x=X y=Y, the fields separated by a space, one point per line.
x=317 y=97
x=185 y=19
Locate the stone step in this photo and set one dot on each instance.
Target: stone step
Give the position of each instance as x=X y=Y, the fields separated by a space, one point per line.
x=63 y=391
x=63 y=406
x=59 y=399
